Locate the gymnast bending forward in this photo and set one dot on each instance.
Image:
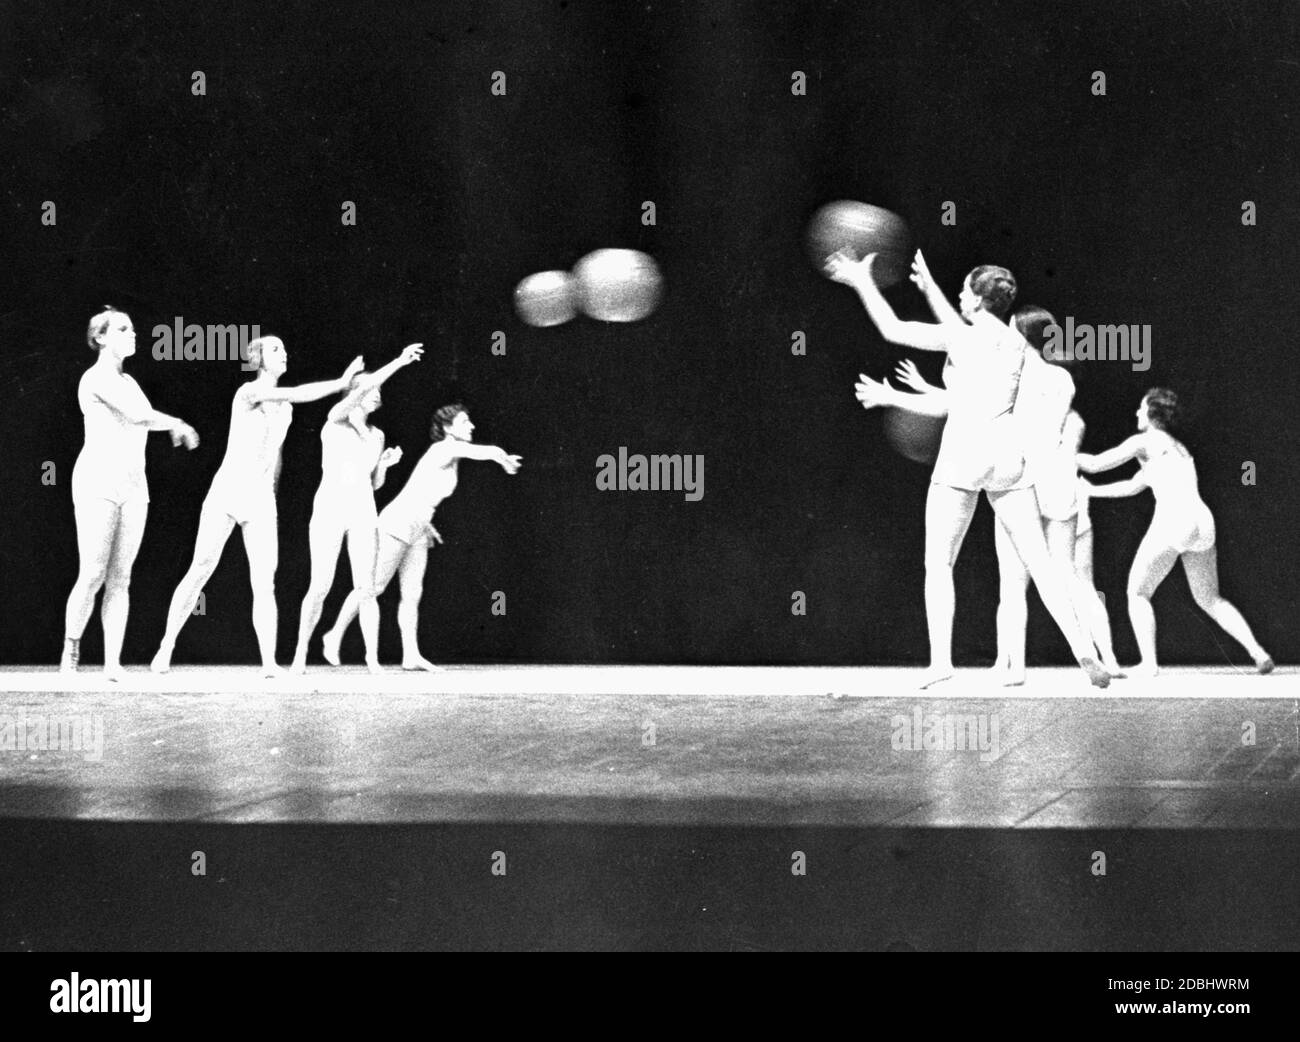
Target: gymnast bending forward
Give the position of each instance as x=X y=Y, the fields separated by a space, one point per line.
x=406 y=530
x=981 y=449
x=353 y=464
x=1182 y=528
x=110 y=496
x=243 y=493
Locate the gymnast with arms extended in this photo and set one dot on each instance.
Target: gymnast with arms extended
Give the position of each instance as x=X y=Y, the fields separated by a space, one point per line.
x=243 y=493
x=980 y=450
x=1182 y=527
x=406 y=529
x=354 y=464
x=1051 y=432
x=110 y=496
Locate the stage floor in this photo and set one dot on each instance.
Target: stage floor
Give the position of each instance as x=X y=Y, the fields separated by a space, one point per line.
x=1194 y=748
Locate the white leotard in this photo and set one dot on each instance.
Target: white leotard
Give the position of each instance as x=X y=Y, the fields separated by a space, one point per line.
x=981 y=447
x=1181 y=516
x=111 y=462
x=348 y=463
x=1042 y=410
x=244 y=485
x=433 y=480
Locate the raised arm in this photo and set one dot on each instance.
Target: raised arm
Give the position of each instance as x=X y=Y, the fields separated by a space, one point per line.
x=925 y=336
x=940 y=306
x=339 y=413
x=1111 y=458
x=1116 y=489
x=311 y=392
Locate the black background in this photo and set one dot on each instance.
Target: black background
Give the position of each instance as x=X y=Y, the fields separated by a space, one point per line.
x=226 y=209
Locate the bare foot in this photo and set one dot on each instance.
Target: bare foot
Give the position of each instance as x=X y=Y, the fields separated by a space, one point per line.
x=1097 y=676
x=375 y=668
x=272 y=671
x=421 y=663
x=935 y=675
x=330 y=647
x=162 y=662
x=1265 y=665
x=298 y=667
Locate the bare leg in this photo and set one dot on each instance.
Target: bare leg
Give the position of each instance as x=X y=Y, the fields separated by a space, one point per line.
x=1018 y=510
x=214 y=530
x=117 y=584
x=1101 y=618
x=97 y=521
x=947 y=517
x=363 y=549
x=1155 y=557
x=391 y=551
x=262 y=545
x=1013 y=609
x=325 y=538
x=408 y=609
x=1202 y=568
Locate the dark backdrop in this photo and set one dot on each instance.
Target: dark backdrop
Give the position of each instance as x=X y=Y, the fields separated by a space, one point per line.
x=226 y=208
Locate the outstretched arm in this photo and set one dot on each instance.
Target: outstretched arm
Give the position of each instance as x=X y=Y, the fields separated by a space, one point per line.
x=1111 y=458
x=139 y=412
x=410 y=353
x=1116 y=489
x=925 y=336
x=487 y=453
x=907 y=373
x=311 y=392
x=872 y=393
x=940 y=306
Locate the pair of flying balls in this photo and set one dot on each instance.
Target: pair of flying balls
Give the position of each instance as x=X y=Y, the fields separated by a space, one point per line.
x=857 y=229
x=608 y=285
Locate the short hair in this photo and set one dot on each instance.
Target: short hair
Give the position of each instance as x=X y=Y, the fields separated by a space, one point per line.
x=99 y=324
x=442 y=419
x=1163 y=408
x=254 y=349
x=1032 y=322
x=996 y=288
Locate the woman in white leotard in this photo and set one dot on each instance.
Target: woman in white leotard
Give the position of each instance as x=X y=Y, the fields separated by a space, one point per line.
x=406 y=531
x=981 y=449
x=243 y=493
x=109 y=493
x=1181 y=528
x=1050 y=432
x=353 y=464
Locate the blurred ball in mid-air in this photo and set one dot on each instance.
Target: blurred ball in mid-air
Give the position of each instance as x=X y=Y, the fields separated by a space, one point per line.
x=859 y=229
x=548 y=298
x=618 y=285
x=914 y=436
